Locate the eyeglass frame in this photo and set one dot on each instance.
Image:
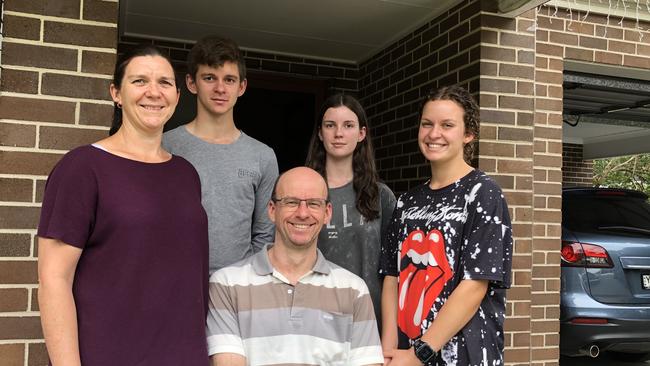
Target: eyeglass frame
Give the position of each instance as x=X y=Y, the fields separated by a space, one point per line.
x=277 y=200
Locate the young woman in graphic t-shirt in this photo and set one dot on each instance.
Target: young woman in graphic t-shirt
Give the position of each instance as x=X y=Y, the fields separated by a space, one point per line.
x=449 y=247
x=341 y=151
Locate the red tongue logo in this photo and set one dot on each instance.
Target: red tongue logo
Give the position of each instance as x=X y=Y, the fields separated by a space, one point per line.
x=421 y=279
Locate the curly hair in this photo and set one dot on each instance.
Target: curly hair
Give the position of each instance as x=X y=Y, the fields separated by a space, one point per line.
x=470 y=108
x=364 y=171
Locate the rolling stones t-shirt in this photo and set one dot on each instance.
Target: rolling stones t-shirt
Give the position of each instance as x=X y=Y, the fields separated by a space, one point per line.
x=436 y=239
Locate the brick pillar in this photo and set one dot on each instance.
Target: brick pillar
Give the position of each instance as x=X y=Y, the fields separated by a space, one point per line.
x=576 y=172
x=521 y=147
x=57 y=59
x=506 y=154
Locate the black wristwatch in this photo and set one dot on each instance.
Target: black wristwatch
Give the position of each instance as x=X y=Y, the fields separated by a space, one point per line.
x=424 y=352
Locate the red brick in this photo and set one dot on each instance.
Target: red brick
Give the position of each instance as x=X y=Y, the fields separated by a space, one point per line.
x=61 y=138
x=36 y=110
x=97 y=62
x=18 y=162
x=550 y=23
x=522 y=199
x=634 y=61
x=57 y=8
x=96 y=114
x=499 y=117
x=15 y=190
x=623 y=47
x=14 y=327
x=541 y=35
x=521 y=103
x=563 y=38
x=40 y=188
x=17 y=135
x=37 y=354
x=34 y=301
x=516 y=324
x=550 y=49
x=592 y=42
x=571 y=53
x=13 y=299
x=39 y=56
x=19 y=81
x=75 y=86
x=517 y=71
x=15 y=245
x=525 y=183
x=77 y=34
x=517 y=355
x=18 y=272
x=497 y=149
x=498 y=85
x=12 y=354
x=18 y=217
x=545 y=326
x=545 y=353
x=498 y=53
x=548 y=77
x=513 y=166
x=608 y=32
x=101 y=11
x=22 y=27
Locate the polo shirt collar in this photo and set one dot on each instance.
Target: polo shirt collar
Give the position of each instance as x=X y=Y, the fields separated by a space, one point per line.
x=262 y=264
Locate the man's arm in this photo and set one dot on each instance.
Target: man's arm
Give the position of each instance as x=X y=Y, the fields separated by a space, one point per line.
x=228 y=359
x=57 y=262
x=389 y=315
x=262 y=230
x=457 y=311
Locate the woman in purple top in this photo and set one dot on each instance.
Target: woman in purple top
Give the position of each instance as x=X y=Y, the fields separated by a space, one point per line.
x=123 y=237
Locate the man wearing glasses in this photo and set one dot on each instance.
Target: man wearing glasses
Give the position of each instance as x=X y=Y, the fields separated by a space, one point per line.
x=287 y=304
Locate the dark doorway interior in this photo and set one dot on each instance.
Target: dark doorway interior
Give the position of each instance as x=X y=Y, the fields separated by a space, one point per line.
x=276 y=110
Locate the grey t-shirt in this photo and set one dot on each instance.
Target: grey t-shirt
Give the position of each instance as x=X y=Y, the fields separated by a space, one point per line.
x=354 y=244
x=236 y=185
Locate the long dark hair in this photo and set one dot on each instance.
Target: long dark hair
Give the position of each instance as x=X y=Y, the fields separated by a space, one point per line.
x=364 y=172
x=120 y=67
x=471 y=117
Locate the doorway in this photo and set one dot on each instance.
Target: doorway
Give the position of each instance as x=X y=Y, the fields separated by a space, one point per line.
x=277 y=110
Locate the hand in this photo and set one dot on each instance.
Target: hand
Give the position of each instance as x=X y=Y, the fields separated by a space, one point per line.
x=401 y=357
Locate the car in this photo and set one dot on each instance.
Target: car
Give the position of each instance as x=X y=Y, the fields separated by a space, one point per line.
x=605 y=278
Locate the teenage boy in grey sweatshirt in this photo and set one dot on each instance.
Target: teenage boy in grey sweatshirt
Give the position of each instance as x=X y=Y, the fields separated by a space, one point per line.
x=237 y=172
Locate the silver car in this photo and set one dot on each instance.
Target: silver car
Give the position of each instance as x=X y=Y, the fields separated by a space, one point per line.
x=605 y=293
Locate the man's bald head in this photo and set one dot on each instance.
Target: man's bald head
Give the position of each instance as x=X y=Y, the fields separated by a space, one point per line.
x=309 y=177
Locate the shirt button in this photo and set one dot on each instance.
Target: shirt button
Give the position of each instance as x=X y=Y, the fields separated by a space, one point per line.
x=289 y=291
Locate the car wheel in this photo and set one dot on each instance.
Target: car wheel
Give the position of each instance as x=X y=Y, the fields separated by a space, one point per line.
x=631 y=357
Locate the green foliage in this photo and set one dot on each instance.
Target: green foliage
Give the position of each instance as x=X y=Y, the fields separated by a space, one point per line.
x=631 y=172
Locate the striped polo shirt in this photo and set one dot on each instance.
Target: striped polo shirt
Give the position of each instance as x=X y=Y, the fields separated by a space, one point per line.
x=327 y=318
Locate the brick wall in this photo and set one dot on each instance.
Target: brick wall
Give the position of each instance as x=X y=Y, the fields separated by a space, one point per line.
x=338 y=76
x=53 y=97
x=576 y=172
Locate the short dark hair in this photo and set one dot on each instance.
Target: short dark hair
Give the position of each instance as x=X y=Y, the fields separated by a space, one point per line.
x=215 y=51
x=471 y=117
x=120 y=68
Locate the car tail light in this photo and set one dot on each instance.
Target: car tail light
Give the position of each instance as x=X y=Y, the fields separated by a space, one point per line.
x=589 y=321
x=586 y=255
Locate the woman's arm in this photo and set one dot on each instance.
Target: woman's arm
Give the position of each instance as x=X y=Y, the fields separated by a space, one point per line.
x=457 y=311
x=57 y=262
x=389 y=314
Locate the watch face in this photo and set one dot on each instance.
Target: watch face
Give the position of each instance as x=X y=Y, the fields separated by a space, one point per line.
x=423 y=351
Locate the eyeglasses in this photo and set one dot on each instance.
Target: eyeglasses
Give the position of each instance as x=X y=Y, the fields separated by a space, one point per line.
x=292 y=203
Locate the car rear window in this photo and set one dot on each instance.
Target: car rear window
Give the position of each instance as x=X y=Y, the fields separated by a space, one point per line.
x=587 y=213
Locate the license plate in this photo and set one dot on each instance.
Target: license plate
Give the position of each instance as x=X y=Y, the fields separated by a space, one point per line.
x=645 y=278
